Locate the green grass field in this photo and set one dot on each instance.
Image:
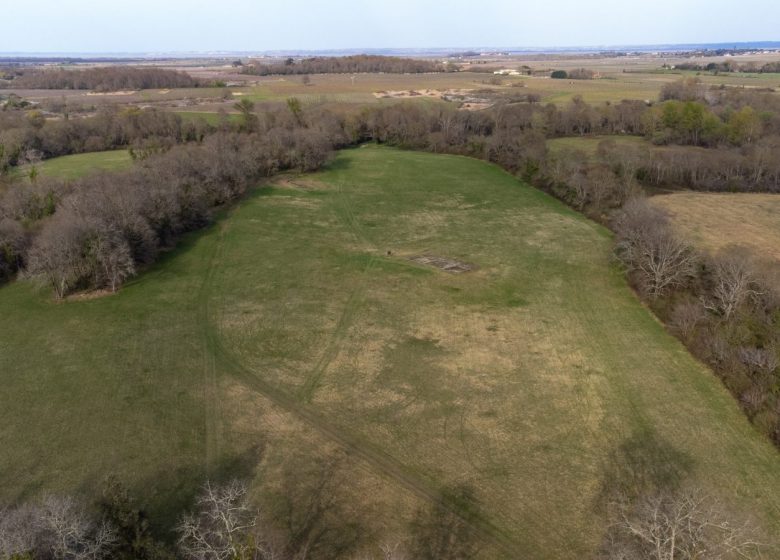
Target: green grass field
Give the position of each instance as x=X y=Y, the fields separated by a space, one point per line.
x=534 y=379
x=79 y=165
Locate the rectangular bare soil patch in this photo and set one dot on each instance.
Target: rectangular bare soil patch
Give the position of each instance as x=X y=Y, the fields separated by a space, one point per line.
x=443 y=263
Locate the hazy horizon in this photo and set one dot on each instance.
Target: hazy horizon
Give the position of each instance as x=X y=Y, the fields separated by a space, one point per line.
x=145 y=26
x=530 y=49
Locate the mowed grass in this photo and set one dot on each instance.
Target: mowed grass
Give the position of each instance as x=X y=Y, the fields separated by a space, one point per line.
x=79 y=165
x=533 y=380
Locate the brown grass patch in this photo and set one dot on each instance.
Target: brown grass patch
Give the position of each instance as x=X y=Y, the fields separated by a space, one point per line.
x=300 y=184
x=716 y=221
x=86 y=296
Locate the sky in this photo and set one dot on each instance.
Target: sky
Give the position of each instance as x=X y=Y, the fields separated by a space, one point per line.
x=104 y=26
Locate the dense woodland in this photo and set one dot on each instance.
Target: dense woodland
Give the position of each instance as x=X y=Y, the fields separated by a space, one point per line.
x=102 y=79
x=356 y=64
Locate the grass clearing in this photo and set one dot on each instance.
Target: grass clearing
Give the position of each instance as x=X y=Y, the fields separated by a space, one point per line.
x=289 y=324
x=79 y=165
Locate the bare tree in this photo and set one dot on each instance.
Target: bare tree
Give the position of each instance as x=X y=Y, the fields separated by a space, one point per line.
x=759 y=360
x=392 y=551
x=70 y=532
x=649 y=248
x=17 y=531
x=113 y=262
x=221 y=526
x=734 y=283
x=57 y=256
x=685 y=526
x=686 y=317
x=58 y=528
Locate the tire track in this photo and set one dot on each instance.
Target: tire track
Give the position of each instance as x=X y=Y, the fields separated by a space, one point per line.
x=213 y=444
x=356 y=298
x=377 y=460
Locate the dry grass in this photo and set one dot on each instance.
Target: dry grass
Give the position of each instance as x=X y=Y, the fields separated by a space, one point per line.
x=717 y=221
x=519 y=378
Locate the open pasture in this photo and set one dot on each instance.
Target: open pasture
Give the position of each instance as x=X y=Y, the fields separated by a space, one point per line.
x=321 y=312
x=77 y=166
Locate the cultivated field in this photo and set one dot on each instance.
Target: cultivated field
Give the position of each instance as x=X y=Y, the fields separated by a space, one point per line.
x=307 y=319
x=626 y=77
x=617 y=78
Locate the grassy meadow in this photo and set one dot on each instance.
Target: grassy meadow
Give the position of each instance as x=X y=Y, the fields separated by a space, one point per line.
x=80 y=165
x=299 y=323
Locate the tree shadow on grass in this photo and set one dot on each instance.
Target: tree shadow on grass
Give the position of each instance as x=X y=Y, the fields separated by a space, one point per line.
x=643 y=464
x=337 y=163
x=170 y=493
x=438 y=534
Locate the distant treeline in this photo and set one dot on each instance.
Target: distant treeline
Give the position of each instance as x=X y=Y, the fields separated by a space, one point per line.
x=109 y=78
x=732 y=66
x=219 y=162
x=707 y=138
x=356 y=64
x=576 y=74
